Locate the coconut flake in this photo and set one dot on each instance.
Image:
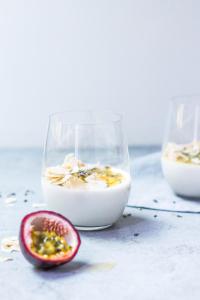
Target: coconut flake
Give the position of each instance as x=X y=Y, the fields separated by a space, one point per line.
x=64 y=179
x=72 y=163
x=95 y=183
x=74 y=182
x=10 y=199
x=10 y=244
x=4 y=259
x=57 y=175
x=56 y=171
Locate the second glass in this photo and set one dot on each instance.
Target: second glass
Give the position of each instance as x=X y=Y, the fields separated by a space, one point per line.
x=181 y=149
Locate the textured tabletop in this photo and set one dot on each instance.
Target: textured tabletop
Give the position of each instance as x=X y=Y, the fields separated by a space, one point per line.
x=146 y=255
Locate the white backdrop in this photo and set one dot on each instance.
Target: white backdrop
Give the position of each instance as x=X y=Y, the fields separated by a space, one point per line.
x=129 y=56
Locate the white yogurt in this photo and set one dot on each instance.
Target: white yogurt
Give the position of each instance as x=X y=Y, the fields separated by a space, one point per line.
x=86 y=208
x=184 y=178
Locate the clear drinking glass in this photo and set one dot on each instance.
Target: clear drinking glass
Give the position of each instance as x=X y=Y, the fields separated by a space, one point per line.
x=181 y=147
x=85 y=141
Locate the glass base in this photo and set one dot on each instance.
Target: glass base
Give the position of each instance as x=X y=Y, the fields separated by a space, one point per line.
x=92 y=228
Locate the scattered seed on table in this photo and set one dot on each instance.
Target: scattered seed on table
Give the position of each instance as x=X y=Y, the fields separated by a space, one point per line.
x=28 y=192
x=155 y=216
x=11 y=195
x=155 y=201
x=25 y=200
x=179 y=216
x=136 y=234
x=126 y=215
x=174 y=202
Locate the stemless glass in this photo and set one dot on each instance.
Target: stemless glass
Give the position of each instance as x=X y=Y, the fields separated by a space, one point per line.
x=181 y=147
x=96 y=139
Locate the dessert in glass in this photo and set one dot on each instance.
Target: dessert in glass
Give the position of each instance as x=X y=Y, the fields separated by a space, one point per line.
x=181 y=149
x=85 y=174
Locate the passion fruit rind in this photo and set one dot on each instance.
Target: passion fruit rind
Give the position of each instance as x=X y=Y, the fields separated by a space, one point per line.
x=49 y=248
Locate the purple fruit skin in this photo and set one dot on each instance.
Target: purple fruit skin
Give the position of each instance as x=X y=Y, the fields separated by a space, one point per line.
x=39 y=262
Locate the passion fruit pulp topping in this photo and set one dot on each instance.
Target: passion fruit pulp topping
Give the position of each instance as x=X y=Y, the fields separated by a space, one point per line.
x=48 y=244
x=105 y=174
x=110 y=177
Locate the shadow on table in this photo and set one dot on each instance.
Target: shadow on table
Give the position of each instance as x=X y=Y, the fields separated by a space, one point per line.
x=129 y=228
x=187 y=198
x=73 y=268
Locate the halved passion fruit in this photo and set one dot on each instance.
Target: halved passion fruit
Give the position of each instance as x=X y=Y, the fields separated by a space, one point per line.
x=47 y=239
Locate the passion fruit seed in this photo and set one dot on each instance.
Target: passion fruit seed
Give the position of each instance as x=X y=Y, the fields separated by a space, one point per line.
x=110 y=177
x=106 y=174
x=48 y=243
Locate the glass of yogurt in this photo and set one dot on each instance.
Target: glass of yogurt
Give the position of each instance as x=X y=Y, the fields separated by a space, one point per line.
x=181 y=148
x=85 y=174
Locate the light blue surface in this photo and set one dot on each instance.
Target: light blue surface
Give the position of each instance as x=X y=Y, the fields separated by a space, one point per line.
x=162 y=262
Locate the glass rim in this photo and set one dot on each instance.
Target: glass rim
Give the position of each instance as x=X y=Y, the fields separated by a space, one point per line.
x=115 y=116
x=185 y=99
